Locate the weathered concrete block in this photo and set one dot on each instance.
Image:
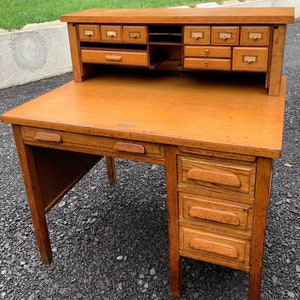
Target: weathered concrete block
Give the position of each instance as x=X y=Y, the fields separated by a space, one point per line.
x=35 y=52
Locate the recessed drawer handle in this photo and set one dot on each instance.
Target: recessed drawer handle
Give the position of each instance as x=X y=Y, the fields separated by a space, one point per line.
x=129 y=147
x=112 y=57
x=213 y=247
x=225 y=178
x=214 y=215
x=48 y=137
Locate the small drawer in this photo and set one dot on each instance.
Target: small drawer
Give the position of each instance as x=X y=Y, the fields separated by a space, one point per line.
x=197 y=35
x=111 y=34
x=207 y=51
x=221 y=35
x=217 y=175
x=114 y=57
x=93 y=144
x=255 y=35
x=207 y=63
x=135 y=34
x=207 y=211
x=250 y=59
x=89 y=33
x=214 y=248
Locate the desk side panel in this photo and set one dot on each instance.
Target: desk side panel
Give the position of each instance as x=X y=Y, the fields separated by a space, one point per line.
x=58 y=171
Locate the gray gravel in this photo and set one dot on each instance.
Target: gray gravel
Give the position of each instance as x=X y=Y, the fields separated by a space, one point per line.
x=110 y=242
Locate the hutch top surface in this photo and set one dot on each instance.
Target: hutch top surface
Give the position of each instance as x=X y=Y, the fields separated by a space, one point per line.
x=274 y=15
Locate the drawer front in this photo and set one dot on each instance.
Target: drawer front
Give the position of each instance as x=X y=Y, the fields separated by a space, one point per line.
x=252 y=59
x=201 y=210
x=115 y=57
x=111 y=33
x=213 y=247
x=207 y=51
x=222 y=35
x=92 y=144
x=135 y=34
x=207 y=63
x=89 y=33
x=255 y=35
x=216 y=175
x=197 y=35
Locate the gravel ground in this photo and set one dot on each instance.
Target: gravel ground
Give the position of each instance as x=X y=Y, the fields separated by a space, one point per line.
x=110 y=242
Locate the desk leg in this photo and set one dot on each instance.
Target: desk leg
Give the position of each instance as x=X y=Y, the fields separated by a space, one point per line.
x=173 y=215
x=262 y=195
x=30 y=177
x=111 y=169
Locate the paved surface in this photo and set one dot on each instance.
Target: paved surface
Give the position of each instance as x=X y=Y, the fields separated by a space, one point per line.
x=110 y=242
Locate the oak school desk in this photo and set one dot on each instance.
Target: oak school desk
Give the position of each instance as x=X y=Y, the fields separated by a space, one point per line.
x=216 y=134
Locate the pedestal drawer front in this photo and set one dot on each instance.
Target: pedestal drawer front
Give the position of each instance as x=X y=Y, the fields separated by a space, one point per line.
x=92 y=144
x=216 y=175
x=250 y=59
x=135 y=34
x=207 y=51
x=213 y=247
x=114 y=57
x=197 y=35
x=89 y=33
x=207 y=63
x=206 y=210
x=255 y=35
x=225 y=35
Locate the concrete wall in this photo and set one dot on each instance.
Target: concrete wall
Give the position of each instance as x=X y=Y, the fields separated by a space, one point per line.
x=33 y=53
x=42 y=50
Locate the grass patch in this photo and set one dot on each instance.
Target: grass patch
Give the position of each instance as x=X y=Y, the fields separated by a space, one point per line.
x=18 y=13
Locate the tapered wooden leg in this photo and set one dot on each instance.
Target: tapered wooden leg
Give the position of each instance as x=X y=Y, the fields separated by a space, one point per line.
x=173 y=215
x=28 y=167
x=111 y=169
x=262 y=194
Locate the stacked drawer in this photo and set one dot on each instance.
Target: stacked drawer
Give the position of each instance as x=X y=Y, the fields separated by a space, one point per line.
x=215 y=208
x=240 y=48
x=113 y=34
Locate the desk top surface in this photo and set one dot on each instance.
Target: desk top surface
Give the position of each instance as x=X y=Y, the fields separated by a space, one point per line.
x=249 y=15
x=191 y=111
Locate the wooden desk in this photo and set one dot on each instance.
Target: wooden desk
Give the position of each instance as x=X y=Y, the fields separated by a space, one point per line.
x=216 y=138
x=216 y=133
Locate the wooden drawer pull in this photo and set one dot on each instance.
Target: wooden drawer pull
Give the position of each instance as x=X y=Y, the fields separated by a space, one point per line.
x=128 y=147
x=48 y=137
x=213 y=247
x=225 y=178
x=112 y=57
x=214 y=215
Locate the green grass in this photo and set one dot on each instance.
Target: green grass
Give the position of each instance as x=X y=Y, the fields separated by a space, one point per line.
x=18 y=13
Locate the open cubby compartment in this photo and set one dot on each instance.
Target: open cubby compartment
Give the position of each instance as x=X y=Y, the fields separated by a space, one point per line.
x=165 y=34
x=165 y=57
